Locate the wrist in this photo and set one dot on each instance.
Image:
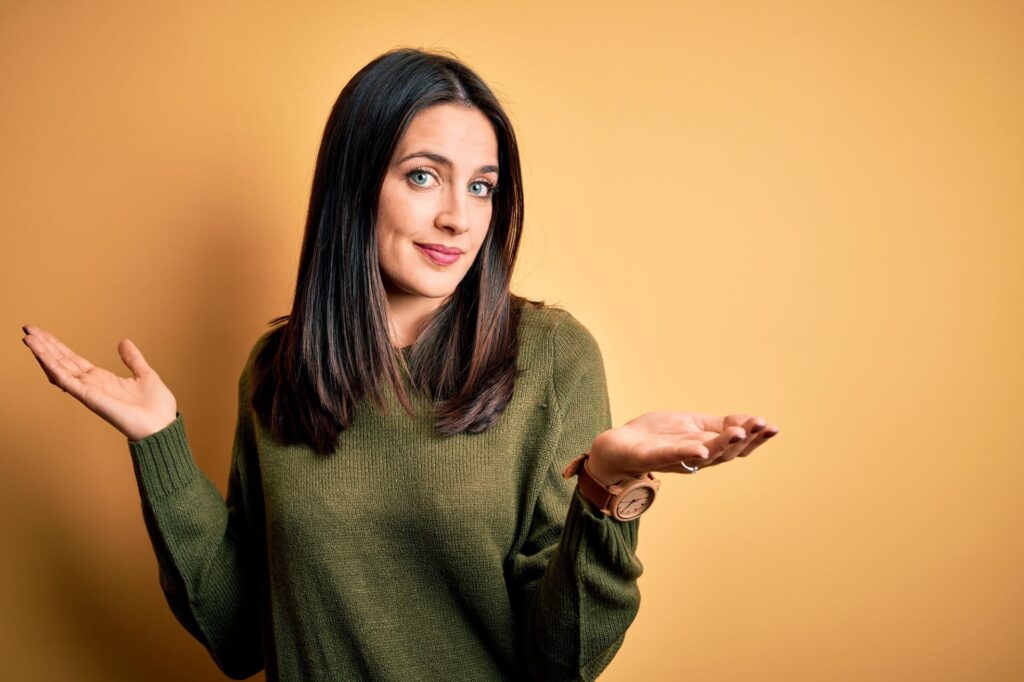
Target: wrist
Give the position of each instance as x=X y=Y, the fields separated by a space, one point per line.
x=606 y=477
x=621 y=495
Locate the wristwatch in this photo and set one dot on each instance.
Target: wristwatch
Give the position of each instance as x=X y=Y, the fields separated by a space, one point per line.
x=624 y=501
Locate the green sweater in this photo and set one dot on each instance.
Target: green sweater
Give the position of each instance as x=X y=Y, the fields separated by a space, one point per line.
x=404 y=555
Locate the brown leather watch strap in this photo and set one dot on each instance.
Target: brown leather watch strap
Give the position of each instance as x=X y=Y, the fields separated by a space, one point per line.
x=591 y=489
x=623 y=501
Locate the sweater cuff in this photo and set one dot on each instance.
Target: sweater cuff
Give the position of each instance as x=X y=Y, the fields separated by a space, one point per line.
x=588 y=529
x=163 y=460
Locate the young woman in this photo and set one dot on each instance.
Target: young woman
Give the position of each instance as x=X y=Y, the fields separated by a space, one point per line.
x=401 y=502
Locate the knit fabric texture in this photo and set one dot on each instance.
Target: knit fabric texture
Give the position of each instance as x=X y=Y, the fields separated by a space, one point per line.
x=404 y=555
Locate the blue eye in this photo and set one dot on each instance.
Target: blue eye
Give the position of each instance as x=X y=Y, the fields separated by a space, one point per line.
x=491 y=188
x=417 y=171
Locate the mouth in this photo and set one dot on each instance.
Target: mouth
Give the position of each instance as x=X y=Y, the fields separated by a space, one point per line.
x=440 y=247
x=439 y=254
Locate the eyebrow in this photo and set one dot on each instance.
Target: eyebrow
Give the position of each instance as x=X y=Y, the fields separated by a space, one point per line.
x=444 y=160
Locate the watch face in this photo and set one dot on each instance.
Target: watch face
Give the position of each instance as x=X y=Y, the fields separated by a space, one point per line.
x=635 y=502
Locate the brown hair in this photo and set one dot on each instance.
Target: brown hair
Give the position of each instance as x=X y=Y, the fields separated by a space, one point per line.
x=335 y=347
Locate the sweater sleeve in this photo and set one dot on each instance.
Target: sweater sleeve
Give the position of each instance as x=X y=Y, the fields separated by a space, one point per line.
x=574 y=580
x=203 y=546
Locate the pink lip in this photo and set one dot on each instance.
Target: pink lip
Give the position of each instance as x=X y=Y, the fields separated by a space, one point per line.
x=442 y=255
x=441 y=247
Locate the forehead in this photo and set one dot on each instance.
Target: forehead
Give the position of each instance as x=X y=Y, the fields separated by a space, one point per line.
x=459 y=132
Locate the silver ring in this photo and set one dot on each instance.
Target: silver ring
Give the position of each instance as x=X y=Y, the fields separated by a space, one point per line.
x=689 y=469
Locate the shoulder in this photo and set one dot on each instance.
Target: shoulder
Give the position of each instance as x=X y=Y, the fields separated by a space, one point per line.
x=263 y=339
x=268 y=336
x=555 y=323
x=564 y=336
x=569 y=349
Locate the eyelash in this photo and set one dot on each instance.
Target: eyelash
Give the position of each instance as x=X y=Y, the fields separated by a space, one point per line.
x=491 y=188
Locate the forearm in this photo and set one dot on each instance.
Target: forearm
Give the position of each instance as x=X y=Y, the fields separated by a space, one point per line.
x=580 y=609
x=202 y=550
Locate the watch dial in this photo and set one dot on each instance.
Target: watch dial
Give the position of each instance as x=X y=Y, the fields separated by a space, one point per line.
x=635 y=502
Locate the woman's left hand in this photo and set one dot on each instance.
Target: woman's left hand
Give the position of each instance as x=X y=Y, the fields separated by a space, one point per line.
x=659 y=441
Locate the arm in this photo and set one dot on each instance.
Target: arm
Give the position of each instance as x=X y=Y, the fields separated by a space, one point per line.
x=202 y=542
x=574 y=580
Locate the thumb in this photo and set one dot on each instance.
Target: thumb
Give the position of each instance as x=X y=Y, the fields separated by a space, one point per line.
x=132 y=357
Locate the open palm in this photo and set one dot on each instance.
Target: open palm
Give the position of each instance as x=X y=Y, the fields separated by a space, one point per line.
x=659 y=441
x=137 y=406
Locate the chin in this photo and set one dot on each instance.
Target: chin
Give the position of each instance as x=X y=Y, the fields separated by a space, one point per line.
x=429 y=289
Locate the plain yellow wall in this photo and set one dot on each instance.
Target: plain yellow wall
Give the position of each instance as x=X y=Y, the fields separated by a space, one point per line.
x=810 y=211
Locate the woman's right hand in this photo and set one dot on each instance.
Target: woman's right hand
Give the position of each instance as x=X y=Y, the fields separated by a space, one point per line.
x=137 y=406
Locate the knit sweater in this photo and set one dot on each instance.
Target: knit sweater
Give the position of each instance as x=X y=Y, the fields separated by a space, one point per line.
x=404 y=555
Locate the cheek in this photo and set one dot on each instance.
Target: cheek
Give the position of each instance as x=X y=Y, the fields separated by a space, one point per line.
x=482 y=234
x=400 y=215
x=385 y=220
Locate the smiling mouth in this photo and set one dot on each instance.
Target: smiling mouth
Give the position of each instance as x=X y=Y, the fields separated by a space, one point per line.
x=438 y=257
x=440 y=247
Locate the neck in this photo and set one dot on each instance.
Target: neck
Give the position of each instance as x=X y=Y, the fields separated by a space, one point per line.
x=408 y=314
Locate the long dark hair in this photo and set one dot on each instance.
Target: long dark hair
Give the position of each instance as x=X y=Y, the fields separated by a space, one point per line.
x=335 y=348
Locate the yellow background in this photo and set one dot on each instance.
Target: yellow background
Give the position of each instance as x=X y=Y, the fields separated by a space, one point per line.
x=810 y=211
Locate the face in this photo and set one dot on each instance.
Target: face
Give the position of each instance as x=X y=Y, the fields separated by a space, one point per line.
x=435 y=204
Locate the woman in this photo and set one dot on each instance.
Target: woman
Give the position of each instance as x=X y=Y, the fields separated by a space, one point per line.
x=400 y=503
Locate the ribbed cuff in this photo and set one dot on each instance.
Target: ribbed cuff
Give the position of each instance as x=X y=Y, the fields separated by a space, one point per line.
x=588 y=506
x=589 y=529
x=163 y=460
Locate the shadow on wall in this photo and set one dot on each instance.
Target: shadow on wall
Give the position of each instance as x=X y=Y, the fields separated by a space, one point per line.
x=79 y=613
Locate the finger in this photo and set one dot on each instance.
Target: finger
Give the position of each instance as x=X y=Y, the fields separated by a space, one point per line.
x=730 y=453
x=715 y=443
x=722 y=442
x=59 y=372
x=35 y=356
x=83 y=364
x=709 y=422
x=728 y=444
x=59 y=350
x=687 y=467
x=754 y=424
x=668 y=452
x=749 y=446
x=725 y=447
x=691 y=448
x=717 y=423
x=769 y=431
x=132 y=357
x=684 y=465
x=754 y=427
x=739 y=419
x=51 y=356
x=697 y=464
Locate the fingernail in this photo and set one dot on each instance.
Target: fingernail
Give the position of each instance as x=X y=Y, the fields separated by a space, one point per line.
x=755 y=428
x=24 y=329
x=769 y=434
x=735 y=439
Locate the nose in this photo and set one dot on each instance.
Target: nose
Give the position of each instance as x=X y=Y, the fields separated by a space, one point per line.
x=454 y=212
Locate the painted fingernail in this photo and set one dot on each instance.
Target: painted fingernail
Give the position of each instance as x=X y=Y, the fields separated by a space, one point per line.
x=735 y=439
x=769 y=434
x=755 y=428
